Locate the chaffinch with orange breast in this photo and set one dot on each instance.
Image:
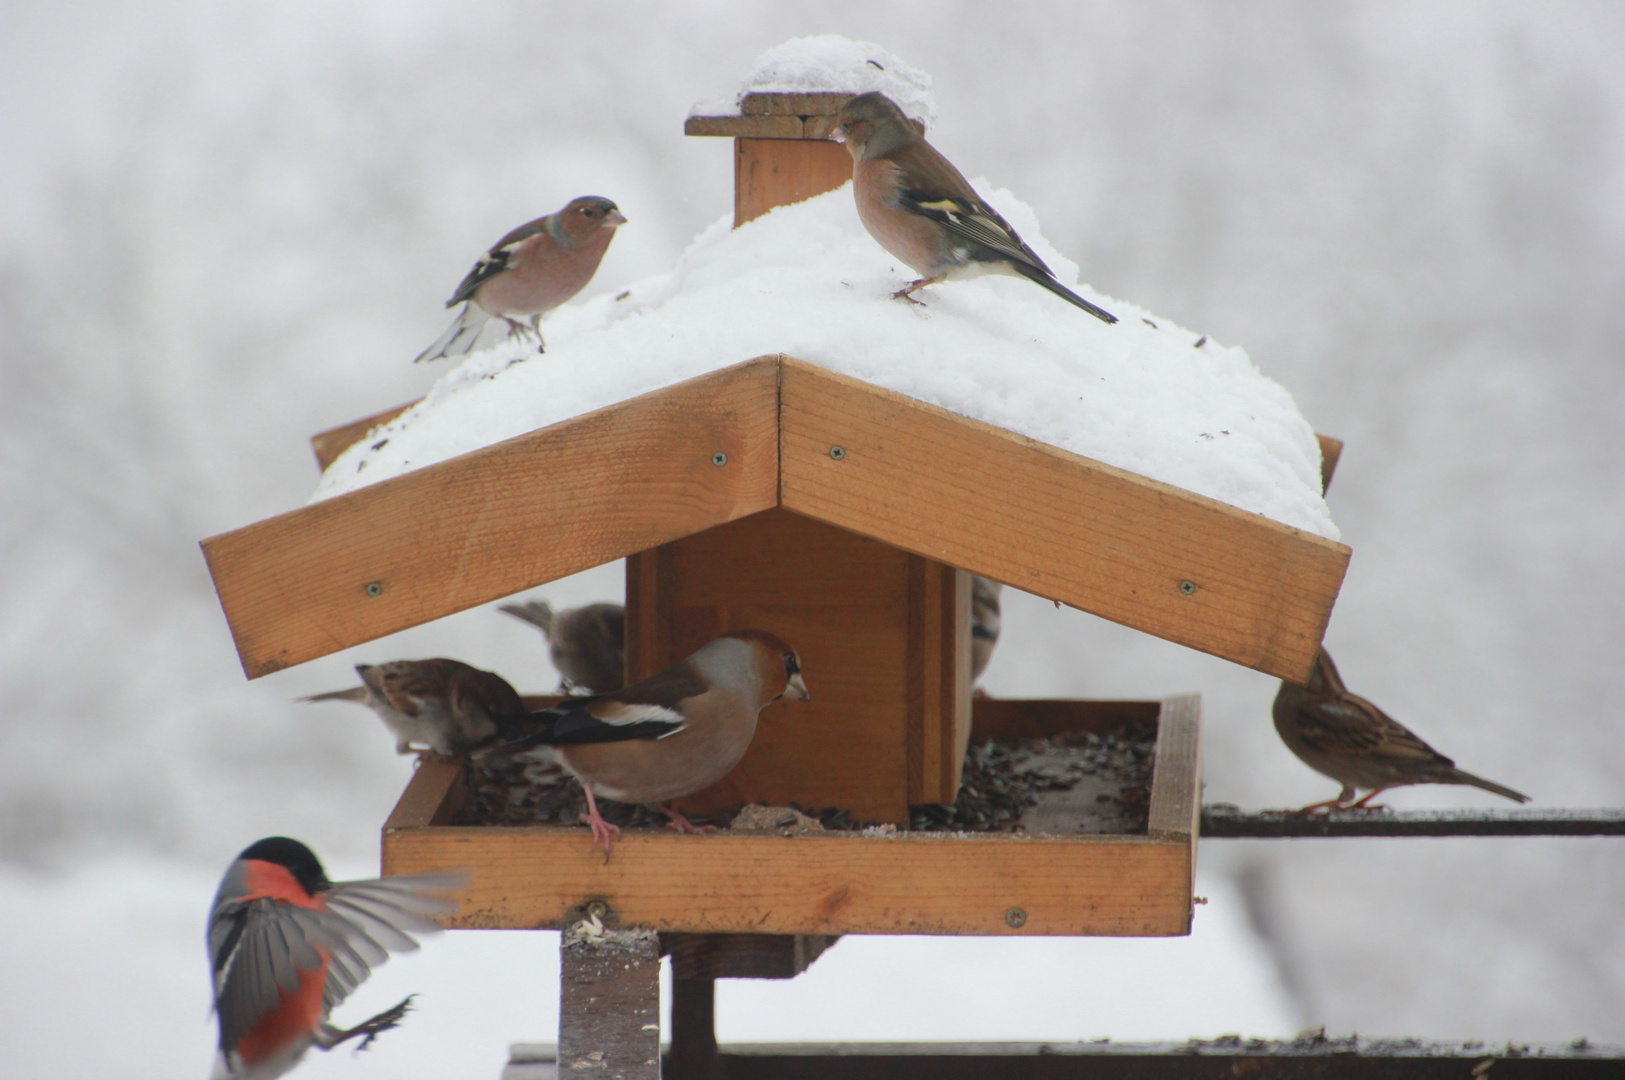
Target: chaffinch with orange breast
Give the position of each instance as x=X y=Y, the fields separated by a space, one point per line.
x=587 y=644
x=446 y=705
x=528 y=273
x=671 y=734
x=286 y=946
x=922 y=210
x=1345 y=737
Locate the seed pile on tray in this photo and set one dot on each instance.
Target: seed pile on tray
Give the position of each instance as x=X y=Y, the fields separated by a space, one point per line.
x=1002 y=782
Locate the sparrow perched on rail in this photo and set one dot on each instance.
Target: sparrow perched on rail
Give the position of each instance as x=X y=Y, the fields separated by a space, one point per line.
x=446 y=705
x=1345 y=737
x=671 y=734
x=588 y=644
x=923 y=210
x=286 y=945
x=528 y=273
x=984 y=622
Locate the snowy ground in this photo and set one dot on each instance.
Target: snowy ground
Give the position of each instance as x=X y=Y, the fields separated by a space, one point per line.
x=228 y=226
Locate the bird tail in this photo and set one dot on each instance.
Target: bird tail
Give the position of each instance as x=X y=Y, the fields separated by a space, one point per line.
x=355 y=693
x=536 y=612
x=1468 y=778
x=1062 y=291
x=460 y=336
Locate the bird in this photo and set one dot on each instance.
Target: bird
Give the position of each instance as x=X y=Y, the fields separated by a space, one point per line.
x=1345 y=737
x=588 y=644
x=286 y=946
x=446 y=705
x=529 y=272
x=984 y=622
x=671 y=734
x=921 y=209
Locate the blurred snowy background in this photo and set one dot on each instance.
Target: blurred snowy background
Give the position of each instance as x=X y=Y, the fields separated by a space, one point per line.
x=225 y=227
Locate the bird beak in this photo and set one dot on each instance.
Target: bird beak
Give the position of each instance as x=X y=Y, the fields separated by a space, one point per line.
x=796 y=690
x=614 y=218
x=838 y=133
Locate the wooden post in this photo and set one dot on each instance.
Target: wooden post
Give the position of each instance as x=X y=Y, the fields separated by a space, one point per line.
x=693 y=1054
x=609 y=1002
x=782 y=152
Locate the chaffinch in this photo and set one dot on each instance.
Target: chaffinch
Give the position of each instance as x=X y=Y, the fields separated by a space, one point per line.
x=528 y=273
x=671 y=734
x=588 y=644
x=984 y=622
x=922 y=210
x=446 y=705
x=1345 y=737
x=286 y=946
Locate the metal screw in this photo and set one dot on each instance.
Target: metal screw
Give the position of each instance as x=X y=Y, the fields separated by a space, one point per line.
x=1187 y=587
x=1016 y=918
x=598 y=910
x=719 y=459
x=375 y=588
x=837 y=452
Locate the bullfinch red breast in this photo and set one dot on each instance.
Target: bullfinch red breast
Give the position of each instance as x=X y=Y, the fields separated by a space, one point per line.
x=529 y=272
x=921 y=209
x=587 y=644
x=671 y=734
x=286 y=946
x=445 y=705
x=1345 y=737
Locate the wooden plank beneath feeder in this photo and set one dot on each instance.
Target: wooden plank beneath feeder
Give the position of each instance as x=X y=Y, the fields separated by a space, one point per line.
x=777 y=172
x=1182 y=567
x=609 y=1003
x=498 y=520
x=742 y=956
x=328 y=445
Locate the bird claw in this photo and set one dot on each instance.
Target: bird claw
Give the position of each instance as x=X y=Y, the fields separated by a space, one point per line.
x=682 y=826
x=601 y=830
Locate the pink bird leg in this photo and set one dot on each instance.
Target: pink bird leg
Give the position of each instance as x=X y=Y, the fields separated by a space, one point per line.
x=601 y=829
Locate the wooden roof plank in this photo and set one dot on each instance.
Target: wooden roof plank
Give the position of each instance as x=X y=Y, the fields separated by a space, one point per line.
x=1183 y=567
x=505 y=518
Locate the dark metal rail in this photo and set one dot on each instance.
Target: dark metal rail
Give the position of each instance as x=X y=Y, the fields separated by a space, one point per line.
x=1224 y=821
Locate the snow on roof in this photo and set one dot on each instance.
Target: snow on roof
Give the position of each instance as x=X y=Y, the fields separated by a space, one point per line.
x=830 y=63
x=806 y=280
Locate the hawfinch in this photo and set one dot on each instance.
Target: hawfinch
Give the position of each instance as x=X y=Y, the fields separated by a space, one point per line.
x=528 y=273
x=446 y=705
x=671 y=734
x=984 y=622
x=588 y=644
x=922 y=210
x=286 y=945
x=1345 y=737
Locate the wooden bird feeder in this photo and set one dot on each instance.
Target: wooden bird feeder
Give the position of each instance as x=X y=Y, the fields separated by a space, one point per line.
x=848 y=519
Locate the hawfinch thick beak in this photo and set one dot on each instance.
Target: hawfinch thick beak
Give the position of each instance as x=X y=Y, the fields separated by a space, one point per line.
x=838 y=133
x=614 y=218
x=796 y=690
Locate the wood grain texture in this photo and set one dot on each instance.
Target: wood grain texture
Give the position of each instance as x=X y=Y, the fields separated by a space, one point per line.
x=609 y=1005
x=1330 y=451
x=821 y=104
x=435 y=793
x=1177 y=771
x=499 y=520
x=533 y=877
x=328 y=445
x=1056 y=524
x=938 y=679
x=777 y=172
x=842 y=601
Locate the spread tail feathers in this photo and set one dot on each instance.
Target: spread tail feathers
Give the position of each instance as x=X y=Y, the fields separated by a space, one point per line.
x=460 y=336
x=1062 y=291
x=1488 y=785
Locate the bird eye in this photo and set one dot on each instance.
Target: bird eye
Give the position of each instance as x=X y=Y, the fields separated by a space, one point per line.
x=589 y=211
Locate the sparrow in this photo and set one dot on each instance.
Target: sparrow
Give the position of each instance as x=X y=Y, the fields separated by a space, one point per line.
x=528 y=273
x=1345 y=737
x=286 y=945
x=671 y=734
x=588 y=644
x=446 y=705
x=921 y=209
x=984 y=622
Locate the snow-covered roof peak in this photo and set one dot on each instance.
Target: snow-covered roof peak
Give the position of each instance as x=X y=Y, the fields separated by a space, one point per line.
x=830 y=63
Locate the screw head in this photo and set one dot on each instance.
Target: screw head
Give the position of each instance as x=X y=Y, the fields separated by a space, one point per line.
x=598 y=910
x=719 y=459
x=837 y=452
x=1187 y=587
x=1016 y=918
x=375 y=588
